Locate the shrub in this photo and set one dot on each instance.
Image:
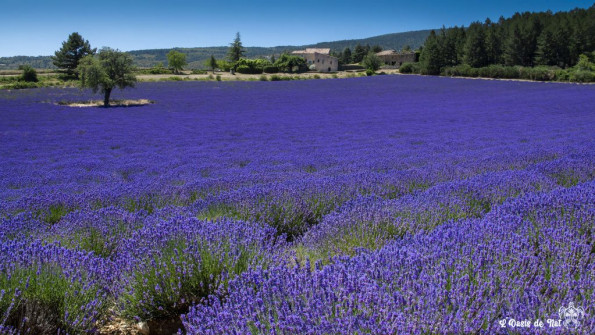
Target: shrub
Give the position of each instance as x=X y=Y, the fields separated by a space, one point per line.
x=540 y=73
x=44 y=290
x=562 y=75
x=224 y=65
x=199 y=71
x=263 y=78
x=270 y=69
x=251 y=66
x=275 y=78
x=371 y=62
x=29 y=74
x=511 y=72
x=462 y=70
x=159 y=69
x=218 y=77
x=582 y=76
x=244 y=69
x=369 y=72
x=409 y=68
x=316 y=76
x=196 y=260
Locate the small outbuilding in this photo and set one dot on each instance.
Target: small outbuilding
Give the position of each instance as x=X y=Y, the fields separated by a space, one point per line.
x=319 y=59
x=396 y=59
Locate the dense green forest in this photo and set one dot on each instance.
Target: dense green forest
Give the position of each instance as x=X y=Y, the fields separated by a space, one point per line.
x=196 y=57
x=526 y=39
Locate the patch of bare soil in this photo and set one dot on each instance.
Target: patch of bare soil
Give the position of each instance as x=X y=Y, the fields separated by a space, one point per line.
x=113 y=103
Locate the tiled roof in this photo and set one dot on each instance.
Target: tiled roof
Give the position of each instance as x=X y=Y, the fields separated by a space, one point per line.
x=386 y=52
x=325 y=51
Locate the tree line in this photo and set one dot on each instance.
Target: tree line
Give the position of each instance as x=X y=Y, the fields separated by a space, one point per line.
x=526 y=39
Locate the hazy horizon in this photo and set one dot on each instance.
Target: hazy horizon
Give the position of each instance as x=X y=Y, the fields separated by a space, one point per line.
x=38 y=28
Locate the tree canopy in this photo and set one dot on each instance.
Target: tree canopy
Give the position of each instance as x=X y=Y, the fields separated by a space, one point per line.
x=73 y=50
x=359 y=53
x=236 y=50
x=212 y=63
x=346 y=56
x=106 y=71
x=371 y=61
x=526 y=39
x=176 y=60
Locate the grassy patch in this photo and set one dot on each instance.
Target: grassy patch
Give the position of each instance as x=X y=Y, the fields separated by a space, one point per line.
x=218 y=211
x=54 y=213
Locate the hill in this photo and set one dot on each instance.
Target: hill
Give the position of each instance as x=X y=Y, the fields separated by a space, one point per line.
x=197 y=56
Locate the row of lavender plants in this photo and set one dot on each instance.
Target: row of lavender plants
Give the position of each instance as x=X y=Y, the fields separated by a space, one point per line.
x=368 y=205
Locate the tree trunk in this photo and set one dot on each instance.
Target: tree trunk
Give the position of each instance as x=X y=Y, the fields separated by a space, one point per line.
x=106 y=97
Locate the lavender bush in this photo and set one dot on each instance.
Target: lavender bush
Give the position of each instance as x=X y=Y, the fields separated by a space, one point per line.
x=389 y=204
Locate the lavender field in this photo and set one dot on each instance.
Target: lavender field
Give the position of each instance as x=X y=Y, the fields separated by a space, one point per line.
x=382 y=205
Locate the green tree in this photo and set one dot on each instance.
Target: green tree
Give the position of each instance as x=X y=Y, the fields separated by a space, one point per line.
x=512 y=47
x=111 y=68
x=359 y=53
x=176 y=60
x=212 y=63
x=236 y=50
x=475 y=48
x=430 y=59
x=346 y=56
x=291 y=63
x=450 y=41
x=584 y=63
x=73 y=50
x=371 y=62
x=493 y=43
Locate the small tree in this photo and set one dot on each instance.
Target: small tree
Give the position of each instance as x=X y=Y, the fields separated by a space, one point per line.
x=291 y=63
x=212 y=63
x=584 y=64
x=111 y=68
x=176 y=60
x=73 y=50
x=236 y=50
x=359 y=53
x=29 y=74
x=371 y=62
x=346 y=56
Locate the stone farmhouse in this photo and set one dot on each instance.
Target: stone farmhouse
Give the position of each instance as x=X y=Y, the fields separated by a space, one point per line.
x=396 y=59
x=319 y=59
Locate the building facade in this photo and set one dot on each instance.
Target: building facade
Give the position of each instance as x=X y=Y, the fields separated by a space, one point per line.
x=319 y=59
x=395 y=59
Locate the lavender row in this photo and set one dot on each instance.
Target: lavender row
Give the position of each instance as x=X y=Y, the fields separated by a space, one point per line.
x=524 y=260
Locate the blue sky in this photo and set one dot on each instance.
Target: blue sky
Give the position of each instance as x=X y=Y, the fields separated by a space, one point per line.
x=34 y=28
